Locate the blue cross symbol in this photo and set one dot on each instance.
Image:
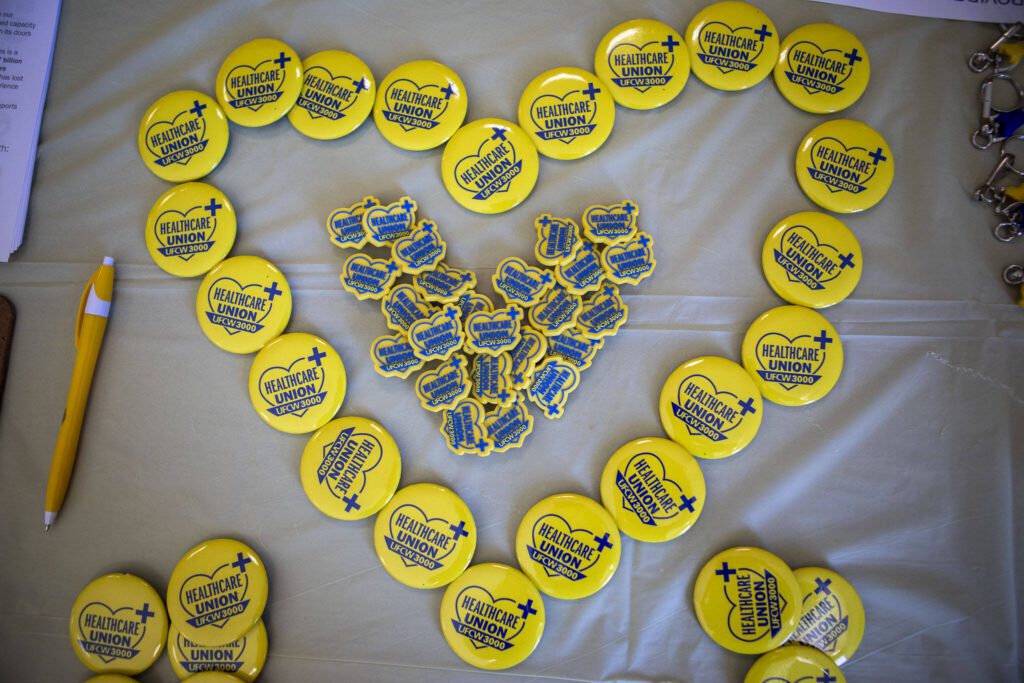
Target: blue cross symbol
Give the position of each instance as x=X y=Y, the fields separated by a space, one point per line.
x=823 y=586
x=852 y=57
x=527 y=609
x=350 y=502
x=827 y=677
x=609 y=291
x=670 y=43
x=481 y=445
x=515 y=313
x=747 y=406
x=241 y=562
x=213 y=206
x=448 y=91
x=878 y=157
x=603 y=542
x=545 y=220
x=687 y=503
x=272 y=291
x=499 y=133
x=197 y=108
x=763 y=32
x=591 y=91
x=545 y=277
x=628 y=208
x=451 y=314
x=282 y=60
x=317 y=356
x=823 y=339
x=408 y=205
x=144 y=613
x=644 y=240
x=428 y=226
x=517 y=378
x=361 y=85
x=456 y=362
x=458 y=530
x=846 y=261
x=390 y=267
x=725 y=572
x=503 y=396
x=553 y=410
x=370 y=201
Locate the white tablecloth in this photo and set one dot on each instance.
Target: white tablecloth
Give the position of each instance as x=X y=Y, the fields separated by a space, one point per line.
x=903 y=479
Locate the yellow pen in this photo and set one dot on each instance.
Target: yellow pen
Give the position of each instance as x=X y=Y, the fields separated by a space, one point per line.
x=89 y=329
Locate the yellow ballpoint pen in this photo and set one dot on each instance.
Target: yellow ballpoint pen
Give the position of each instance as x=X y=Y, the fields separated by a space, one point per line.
x=89 y=329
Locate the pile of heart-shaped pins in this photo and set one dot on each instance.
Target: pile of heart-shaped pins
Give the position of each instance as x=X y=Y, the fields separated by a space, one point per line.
x=487 y=360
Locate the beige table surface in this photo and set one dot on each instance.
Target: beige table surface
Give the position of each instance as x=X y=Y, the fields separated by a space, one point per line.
x=904 y=479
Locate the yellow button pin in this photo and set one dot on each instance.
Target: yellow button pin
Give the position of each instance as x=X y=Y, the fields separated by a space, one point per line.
x=643 y=62
x=243 y=658
x=336 y=96
x=350 y=468
x=794 y=355
x=118 y=625
x=654 y=489
x=812 y=259
x=425 y=536
x=822 y=68
x=733 y=45
x=183 y=136
x=747 y=600
x=492 y=616
x=243 y=304
x=711 y=407
x=568 y=112
x=259 y=82
x=190 y=229
x=420 y=105
x=490 y=166
x=297 y=383
x=844 y=166
x=832 y=618
x=794 y=663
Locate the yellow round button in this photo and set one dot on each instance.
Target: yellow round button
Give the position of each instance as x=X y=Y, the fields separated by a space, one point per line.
x=336 y=96
x=833 y=616
x=297 y=383
x=425 y=536
x=794 y=663
x=812 y=259
x=643 y=63
x=794 y=355
x=217 y=592
x=111 y=678
x=822 y=68
x=420 y=105
x=118 y=625
x=183 y=136
x=350 y=468
x=569 y=546
x=747 y=600
x=844 y=166
x=733 y=45
x=490 y=166
x=654 y=489
x=213 y=677
x=568 y=112
x=243 y=658
x=711 y=407
x=259 y=82
x=190 y=229
x=492 y=616
x=243 y=304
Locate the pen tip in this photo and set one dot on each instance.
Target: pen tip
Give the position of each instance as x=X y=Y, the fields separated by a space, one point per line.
x=46 y=527
x=108 y=260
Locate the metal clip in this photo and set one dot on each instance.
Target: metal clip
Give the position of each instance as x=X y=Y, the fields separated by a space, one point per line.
x=998 y=124
x=988 y=191
x=984 y=59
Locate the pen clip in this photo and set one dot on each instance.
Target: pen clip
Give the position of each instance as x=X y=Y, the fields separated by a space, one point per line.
x=81 y=306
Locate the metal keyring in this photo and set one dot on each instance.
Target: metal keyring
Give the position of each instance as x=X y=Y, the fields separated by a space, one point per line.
x=1013 y=275
x=988 y=82
x=1002 y=150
